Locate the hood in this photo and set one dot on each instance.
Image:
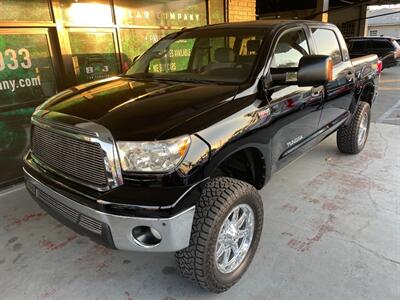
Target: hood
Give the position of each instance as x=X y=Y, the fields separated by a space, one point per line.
x=141 y=110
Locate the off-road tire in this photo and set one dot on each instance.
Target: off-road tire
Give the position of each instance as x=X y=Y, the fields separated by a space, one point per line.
x=197 y=262
x=347 y=135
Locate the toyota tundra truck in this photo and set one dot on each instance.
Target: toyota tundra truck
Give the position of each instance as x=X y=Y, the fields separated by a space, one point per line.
x=169 y=156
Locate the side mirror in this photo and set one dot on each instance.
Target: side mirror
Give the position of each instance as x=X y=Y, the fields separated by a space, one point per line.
x=314 y=70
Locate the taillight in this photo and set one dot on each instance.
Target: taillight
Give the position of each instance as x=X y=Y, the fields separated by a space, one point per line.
x=379 y=65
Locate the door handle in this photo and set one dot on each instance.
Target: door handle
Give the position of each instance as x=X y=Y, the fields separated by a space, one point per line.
x=349 y=76
x=317 y=93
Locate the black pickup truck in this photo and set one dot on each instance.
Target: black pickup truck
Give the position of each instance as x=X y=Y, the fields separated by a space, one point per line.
x=169 y=156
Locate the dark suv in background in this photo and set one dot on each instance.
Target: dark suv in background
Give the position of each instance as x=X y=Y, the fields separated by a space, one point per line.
x=387 y=49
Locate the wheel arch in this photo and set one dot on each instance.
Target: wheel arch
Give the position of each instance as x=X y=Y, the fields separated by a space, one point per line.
x=247 y=163
x=367 y=93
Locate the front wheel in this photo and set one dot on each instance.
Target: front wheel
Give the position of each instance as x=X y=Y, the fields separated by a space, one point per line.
x=351 y=139
x=226 y=230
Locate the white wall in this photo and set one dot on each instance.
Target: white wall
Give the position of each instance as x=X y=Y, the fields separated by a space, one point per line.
x=388 y=30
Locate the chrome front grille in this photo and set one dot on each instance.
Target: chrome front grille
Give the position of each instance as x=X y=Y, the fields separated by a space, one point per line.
x=90 y=224
x=77 y=159
x=62 y=209
x=70 y=213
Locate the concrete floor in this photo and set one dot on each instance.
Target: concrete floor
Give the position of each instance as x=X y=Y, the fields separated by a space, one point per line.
x=387 y=109
x=334 y=233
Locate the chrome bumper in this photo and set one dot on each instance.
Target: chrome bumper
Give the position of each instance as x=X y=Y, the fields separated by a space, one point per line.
x=175 y=231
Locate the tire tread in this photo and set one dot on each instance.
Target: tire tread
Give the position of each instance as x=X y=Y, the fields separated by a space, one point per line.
x=346 y=138
x=217 y=197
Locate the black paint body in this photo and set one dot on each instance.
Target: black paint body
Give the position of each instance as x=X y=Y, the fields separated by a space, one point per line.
x=221 y=119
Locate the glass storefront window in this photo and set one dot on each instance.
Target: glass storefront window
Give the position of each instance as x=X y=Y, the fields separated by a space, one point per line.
x=177 y=13
x=25 y=10
x=136 y=41
x=86 y=12
x=26 y=70
x=26 y=79
x=93 y=55
x=102 y=37
x=217 y=11
x=175 y=59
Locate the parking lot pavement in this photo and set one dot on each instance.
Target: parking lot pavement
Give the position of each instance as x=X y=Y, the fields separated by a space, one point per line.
x=331 y=231
x=387 y=107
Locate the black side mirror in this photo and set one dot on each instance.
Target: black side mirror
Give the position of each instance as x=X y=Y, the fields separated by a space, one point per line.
x=314 y=70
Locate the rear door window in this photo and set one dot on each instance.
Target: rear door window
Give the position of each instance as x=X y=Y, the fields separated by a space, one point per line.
x=380 y=45
x=357 y=46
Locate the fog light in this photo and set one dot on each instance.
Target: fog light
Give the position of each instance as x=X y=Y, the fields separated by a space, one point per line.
x=146 y=236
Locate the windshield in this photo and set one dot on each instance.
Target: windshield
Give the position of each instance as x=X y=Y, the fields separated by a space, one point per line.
x=212 y=55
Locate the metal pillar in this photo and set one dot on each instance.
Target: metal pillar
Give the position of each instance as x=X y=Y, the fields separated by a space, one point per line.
x=322 y=8
x=362 y=23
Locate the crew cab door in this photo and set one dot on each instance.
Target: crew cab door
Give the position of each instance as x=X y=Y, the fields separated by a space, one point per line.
x=340 y=91
x=295 y=110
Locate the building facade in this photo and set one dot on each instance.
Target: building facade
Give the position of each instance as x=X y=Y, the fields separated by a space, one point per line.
x=49 y=45
x=387 y=25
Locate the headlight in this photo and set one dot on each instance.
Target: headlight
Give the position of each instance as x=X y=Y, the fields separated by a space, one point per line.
x=157 y=156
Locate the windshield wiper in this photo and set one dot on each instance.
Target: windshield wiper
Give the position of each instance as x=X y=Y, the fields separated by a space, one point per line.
x=138 y=76
x=189 y=80
x=186 y=80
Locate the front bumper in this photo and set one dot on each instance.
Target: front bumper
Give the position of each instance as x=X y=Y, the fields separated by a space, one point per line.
x=114 y=231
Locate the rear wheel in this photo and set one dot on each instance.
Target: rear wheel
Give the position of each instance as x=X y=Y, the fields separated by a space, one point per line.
x=225 y=234
x=351 y=139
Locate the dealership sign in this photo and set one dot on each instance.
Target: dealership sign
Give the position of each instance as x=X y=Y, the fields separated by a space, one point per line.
x=187 y=13
x=168 y=16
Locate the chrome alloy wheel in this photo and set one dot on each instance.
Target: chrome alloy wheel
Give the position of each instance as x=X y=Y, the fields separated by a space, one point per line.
x=234 y=238
x=363 y=129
